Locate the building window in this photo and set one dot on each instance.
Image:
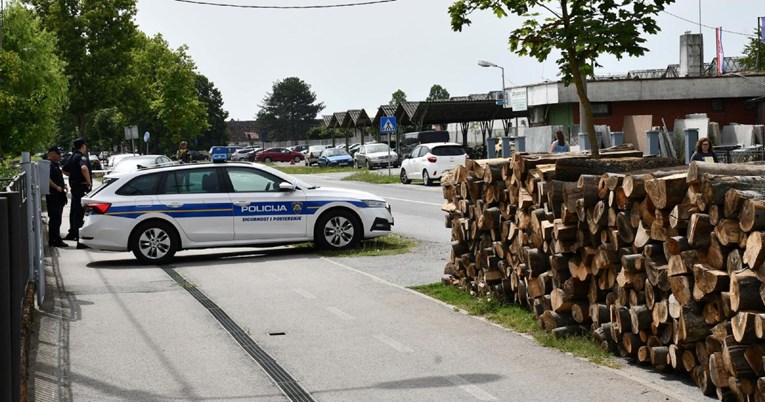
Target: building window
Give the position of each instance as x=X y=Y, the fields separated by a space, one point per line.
x=601 y=109
x=718 y=105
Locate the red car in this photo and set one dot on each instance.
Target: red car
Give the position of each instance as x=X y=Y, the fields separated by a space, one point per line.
x=278 y=155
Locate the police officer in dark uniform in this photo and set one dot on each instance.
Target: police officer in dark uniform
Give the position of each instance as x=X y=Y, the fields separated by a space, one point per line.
x=55 y=199
x=80 y=182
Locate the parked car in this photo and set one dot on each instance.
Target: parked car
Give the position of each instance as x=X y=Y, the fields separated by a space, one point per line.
x=353 y=148
x=429 y=161
x=252 y=154
x=223 y=205
x=375 y=155
x=334 y=157
x=95 y=163
x=313 y=153
x=115 y=159
x=241 y=154
x=134 y=163
x=278 y=155
x=299 y=148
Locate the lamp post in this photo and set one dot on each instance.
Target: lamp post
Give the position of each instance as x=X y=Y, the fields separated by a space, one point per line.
x=484 y=63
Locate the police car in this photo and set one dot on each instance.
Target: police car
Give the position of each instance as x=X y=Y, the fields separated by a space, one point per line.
x=155 y=212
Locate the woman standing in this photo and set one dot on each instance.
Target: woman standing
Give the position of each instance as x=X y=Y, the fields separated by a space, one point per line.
x=704 y=152
x=560 y=145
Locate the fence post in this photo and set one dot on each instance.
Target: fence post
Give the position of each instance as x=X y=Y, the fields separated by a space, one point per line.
x=6 y=345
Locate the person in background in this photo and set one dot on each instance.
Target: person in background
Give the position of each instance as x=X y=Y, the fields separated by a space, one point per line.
x=80 y=182
x=183 y=155
x=704 y=151
x=560 y=145
x=56 y=199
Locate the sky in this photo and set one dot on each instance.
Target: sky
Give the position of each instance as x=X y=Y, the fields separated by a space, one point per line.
x=356 y=57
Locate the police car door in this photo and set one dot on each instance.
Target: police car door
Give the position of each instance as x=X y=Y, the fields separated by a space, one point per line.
x=261 y=210
x=199 y=203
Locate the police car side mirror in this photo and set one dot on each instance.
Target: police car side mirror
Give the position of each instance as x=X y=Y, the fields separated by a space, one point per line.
x=286 y=186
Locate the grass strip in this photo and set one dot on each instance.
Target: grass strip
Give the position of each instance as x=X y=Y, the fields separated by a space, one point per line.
x=519 y=320
x=391 y=244
x=369 y=177
x=300 y=169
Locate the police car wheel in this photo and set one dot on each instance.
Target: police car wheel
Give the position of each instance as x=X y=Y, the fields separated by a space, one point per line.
x=404 y=179
x=426 y=178
x=154 y=243
x=337 y=230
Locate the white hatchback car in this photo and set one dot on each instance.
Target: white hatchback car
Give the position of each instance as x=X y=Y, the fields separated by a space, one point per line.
x=156 y=212
x=429 y=161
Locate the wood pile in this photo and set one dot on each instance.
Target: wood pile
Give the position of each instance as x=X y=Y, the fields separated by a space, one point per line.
x=660 y=263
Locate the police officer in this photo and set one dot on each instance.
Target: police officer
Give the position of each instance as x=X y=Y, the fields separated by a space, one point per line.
x=80 y=182
x=183 y=154
x=56 y=199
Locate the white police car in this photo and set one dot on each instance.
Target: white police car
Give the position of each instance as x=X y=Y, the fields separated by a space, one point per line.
x=158 y=211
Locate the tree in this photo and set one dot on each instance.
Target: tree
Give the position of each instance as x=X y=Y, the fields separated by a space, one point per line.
x=752 y=51
x=437 y=92
x=96 y=39
x=580 y=30
x=210 y=96
x=289 y=110
x=33 y=87
x=397 y=97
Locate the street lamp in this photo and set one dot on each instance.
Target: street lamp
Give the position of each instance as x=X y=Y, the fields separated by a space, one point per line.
x=484 y=63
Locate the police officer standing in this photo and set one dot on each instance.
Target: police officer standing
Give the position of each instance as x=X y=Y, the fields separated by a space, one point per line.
x=56 y=199
x=80 y=182
x=183 y=154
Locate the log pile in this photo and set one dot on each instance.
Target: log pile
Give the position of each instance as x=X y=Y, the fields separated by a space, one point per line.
x=660 y=263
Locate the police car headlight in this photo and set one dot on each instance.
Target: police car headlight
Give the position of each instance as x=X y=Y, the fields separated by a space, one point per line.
x=375 y=203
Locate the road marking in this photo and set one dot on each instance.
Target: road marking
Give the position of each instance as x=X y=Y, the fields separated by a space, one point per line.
x=341 y=314
x=304 y=293
x=393 y=343
x=416 y=202
x=471 y=389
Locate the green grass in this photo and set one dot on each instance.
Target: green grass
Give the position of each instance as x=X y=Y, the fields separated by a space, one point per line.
x=519 y=320
x=369 y=177
x=391 y=244
x=302 y=169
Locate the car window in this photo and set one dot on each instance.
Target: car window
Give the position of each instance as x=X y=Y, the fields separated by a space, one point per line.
x=191 y=181
x=448 y=150
x=141 y=185
x=416 y=152
x=376 y=148
x=245 y=180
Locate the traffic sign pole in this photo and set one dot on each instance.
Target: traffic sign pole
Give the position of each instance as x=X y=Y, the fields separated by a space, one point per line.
x=388 y=126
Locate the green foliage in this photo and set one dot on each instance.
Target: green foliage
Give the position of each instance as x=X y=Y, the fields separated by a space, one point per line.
x=370 y=177
x=580 y=30
x=210 y=96
x=397 y=97
x=754 y=49
x=95 y=38
x=437 y=92
x=33 y=87
x=288 y=111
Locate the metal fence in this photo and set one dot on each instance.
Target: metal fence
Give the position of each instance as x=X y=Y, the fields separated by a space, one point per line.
x=21 y=264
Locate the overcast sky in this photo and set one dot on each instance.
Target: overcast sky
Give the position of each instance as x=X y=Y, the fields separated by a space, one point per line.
x=356 y=57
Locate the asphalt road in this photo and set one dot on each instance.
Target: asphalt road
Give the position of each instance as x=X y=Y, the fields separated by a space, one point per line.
x=343 y=329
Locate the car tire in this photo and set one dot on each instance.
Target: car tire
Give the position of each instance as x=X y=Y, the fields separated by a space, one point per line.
x=154 y=242
x=369 y=165
x=426 y=181
x=356 y=164
x=403 y=178
x=337 y=230
x=297 y=159
x=267 y=160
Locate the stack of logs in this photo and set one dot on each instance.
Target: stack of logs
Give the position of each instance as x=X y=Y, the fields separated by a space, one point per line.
x=664 y=265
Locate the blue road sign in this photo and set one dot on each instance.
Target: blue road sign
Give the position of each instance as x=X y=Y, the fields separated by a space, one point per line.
x=388 y=124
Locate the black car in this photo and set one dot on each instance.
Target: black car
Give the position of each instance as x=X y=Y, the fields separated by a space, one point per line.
x=199 y=156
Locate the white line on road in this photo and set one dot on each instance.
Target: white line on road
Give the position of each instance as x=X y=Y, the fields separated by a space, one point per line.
x=393 y=343
x=471 y=389
x=416 y=202
x=341 y=314
x=306 y=294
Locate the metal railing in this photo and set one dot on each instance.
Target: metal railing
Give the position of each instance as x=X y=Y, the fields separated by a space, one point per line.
x=21 y=266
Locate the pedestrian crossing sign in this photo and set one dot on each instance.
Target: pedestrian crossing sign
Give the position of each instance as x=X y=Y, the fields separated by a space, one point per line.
x=388 y=124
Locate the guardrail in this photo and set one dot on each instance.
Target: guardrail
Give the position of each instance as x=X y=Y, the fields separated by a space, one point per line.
x=22 y=269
